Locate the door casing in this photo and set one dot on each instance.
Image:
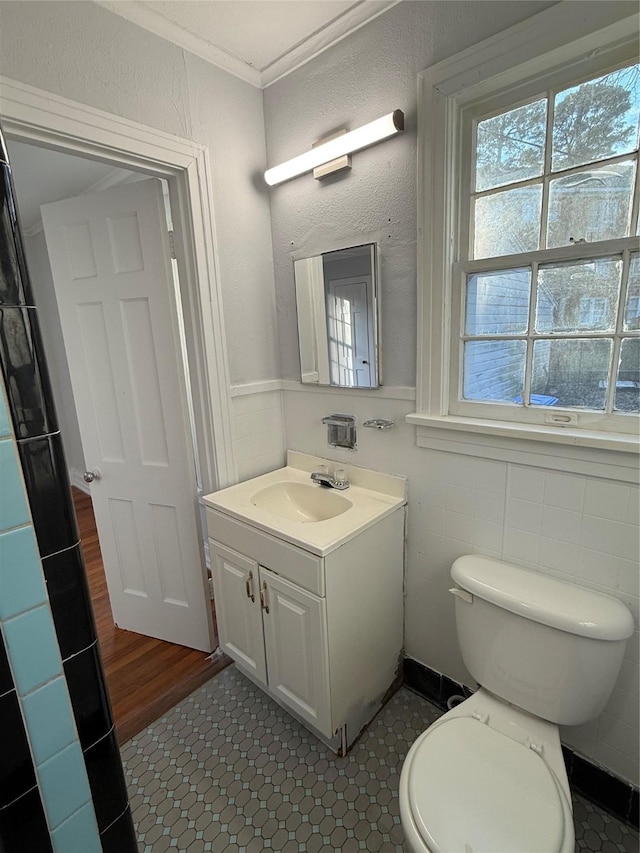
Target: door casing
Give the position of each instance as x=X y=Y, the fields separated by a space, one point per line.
x=50 y=121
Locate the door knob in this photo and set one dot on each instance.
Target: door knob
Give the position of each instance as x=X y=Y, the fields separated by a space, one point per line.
x=90 y=476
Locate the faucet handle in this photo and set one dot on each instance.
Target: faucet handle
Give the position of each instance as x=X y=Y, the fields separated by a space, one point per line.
x=340 y=477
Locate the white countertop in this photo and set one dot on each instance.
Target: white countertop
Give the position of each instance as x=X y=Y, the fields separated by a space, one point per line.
x=373 y=496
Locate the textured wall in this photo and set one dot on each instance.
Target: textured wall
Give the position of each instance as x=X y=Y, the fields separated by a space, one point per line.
x=579 y=527
x=366 y=75
x=83 y=52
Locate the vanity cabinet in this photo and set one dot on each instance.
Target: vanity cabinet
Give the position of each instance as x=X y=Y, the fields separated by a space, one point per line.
x=321 y=634
x=274 y=630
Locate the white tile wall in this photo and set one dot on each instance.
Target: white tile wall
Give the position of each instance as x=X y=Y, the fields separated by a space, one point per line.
x=258 y=434
x=579 y=528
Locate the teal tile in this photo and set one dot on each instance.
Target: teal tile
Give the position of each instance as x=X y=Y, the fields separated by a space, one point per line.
x=21 y=579
x=49 y=719
x=13 y=504
x=5 y=427
x=33 y=649
x=64 y=785
x=78 y=833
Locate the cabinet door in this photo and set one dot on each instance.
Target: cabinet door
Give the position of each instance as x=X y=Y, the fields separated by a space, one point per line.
x=236 y=581
x=295 y=633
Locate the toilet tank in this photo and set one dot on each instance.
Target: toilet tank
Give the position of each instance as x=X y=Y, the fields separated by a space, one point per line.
x=551 y=648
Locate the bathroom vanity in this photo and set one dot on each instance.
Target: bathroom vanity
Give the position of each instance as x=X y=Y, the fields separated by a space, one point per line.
x=308 y=585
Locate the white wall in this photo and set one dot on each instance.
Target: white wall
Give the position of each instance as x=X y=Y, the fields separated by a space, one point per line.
x=83 y=52
x=574 y=525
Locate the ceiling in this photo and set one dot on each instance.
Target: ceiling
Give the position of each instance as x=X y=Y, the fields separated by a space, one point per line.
x=41 y=176
x=257 y=40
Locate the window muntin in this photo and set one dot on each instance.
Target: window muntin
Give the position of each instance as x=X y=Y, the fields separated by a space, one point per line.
x=547 y=177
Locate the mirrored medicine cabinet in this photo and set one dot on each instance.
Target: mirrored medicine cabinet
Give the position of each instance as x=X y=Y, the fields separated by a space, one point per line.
x=337 y=307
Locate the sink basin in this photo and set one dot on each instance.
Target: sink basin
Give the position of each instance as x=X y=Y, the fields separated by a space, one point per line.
x=301 y=502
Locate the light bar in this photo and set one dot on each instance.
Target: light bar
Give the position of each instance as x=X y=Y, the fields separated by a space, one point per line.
x=355 y=140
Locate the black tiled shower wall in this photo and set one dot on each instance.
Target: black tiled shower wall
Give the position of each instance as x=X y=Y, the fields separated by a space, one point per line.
x=22 y=820
x=23 y=825
x=32 y=410
x=17 y=774
x=69 y=593
x=45 y=475
x=25 y=375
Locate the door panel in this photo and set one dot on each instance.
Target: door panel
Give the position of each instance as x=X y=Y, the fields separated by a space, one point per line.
x=238 y=608
x=296 y=648
x=112 y=274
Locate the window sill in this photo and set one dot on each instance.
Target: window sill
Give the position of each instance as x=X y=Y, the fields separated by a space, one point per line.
x=559 y=448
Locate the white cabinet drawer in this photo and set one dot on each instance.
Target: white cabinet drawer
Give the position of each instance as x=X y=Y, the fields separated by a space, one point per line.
x=286 y=560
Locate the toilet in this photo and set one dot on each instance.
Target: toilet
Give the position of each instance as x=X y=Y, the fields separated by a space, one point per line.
x=489 y=775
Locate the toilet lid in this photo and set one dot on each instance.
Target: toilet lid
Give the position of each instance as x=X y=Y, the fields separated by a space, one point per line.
x=474 y=790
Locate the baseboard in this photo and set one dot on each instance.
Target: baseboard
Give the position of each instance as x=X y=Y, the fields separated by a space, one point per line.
x=595 y=783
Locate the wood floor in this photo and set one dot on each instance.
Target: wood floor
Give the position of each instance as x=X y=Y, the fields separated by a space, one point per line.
x=145 y=677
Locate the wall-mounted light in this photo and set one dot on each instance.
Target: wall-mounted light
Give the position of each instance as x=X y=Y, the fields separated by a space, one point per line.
x=336 y=148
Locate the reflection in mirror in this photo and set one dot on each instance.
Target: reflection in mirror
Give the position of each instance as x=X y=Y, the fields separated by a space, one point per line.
x=337 y=303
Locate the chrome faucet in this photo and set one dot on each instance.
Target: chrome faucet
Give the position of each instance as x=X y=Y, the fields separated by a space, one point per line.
x=337 y=481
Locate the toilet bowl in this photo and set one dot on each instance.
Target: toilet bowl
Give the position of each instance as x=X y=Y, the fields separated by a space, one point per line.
x=489 y=775
x=486 y=778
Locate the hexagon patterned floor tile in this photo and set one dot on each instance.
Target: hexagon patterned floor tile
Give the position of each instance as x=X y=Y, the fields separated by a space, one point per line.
x=229 y=771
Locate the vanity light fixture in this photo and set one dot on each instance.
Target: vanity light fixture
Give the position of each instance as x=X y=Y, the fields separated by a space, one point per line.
x=337 y=147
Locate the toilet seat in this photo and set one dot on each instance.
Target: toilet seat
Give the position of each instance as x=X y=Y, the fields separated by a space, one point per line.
x=471 y=789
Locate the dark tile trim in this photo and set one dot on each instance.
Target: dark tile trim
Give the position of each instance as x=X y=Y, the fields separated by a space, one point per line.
x=46 y=479
x=23 y=826
x=26 y=378
x=70 y=601
x=89 y=696
x=120 y=835
x=106 y=778
x=17 y=773
x=593 y=782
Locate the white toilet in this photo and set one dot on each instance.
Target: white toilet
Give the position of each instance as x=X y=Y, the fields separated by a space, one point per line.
x=489 y=776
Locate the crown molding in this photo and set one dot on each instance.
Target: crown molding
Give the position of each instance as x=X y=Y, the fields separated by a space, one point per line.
x=323 y=39
x=149 y=19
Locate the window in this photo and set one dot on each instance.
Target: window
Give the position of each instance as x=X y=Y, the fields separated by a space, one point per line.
x=535 y=176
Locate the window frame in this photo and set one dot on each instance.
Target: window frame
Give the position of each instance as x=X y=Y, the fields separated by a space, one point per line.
x=508 y=67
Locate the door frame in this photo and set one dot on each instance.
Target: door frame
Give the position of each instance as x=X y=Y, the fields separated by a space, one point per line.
x=34 y=115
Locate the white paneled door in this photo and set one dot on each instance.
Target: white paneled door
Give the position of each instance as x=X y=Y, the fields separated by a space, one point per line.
x=111 y=266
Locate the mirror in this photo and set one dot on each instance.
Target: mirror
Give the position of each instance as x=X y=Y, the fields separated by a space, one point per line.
x=337 y=303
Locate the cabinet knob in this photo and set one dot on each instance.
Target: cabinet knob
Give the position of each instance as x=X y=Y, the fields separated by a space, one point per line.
x=264 y=600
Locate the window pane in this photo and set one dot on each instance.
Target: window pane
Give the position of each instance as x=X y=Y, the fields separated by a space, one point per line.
x=632 y=312
x=575 y=297
x=628 y=384
x=596 y=120
x=493 y=370
x=507 y=222
x=510 y=147
x=591 y=205
x=497 y=303
x=573 y=371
